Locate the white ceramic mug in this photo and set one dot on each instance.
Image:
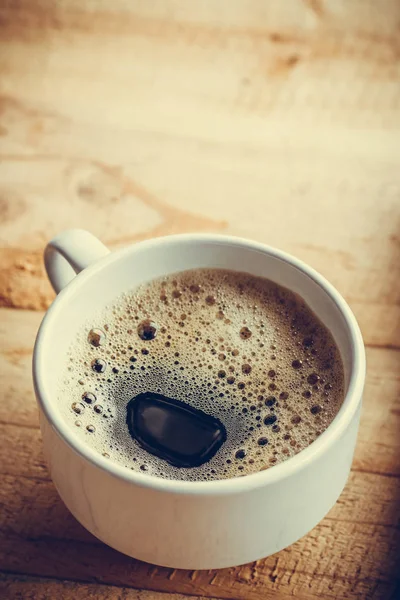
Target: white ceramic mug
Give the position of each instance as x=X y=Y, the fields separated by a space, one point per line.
x=181 y=524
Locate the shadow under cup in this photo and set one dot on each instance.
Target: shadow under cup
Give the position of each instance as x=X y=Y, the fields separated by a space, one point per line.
x=195 y=524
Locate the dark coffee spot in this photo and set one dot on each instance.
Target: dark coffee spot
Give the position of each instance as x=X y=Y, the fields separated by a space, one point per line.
x=173 y=430
x=270 y=401
x=270 y=420
x=88 y=397
x=313 y=379
x=99 y=365
x=245 y=333
x=240 y=454
x=262 y=441
x=147 y=330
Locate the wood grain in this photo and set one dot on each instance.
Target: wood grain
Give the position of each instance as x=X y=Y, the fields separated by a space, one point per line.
x=277 y=121
x=259 y=105
x=15 y=587
x=306 y=570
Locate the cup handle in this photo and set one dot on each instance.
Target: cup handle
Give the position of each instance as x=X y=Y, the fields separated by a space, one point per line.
x=69 y=253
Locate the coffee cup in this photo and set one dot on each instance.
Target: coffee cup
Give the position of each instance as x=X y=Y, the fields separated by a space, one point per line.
x=186 y=524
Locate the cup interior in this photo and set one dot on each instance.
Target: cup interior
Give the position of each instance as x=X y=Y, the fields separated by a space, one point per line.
x=97 y=286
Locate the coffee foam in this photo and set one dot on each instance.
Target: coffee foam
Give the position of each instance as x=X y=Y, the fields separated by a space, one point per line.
x=240 y=348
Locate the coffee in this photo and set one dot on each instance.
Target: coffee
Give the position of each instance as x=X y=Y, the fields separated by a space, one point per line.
x=205 y=374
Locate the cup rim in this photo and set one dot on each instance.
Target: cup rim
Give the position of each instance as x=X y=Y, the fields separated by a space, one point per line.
x=223 y=486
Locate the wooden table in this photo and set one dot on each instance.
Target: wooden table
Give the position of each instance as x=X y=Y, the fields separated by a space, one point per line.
x=274 y=120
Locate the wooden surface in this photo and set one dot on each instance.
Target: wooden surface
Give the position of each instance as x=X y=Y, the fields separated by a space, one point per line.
x=275 y=120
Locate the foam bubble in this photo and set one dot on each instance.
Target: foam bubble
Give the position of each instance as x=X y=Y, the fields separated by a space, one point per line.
x=96 y=337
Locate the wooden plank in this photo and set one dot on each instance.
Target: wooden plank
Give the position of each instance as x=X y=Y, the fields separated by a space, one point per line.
x=292 y=98
x=13 y=587
x=38 y=536
x=22 y=452
x=326 y=563
x=242 y=117
x=378 y=442
x=17 y=337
